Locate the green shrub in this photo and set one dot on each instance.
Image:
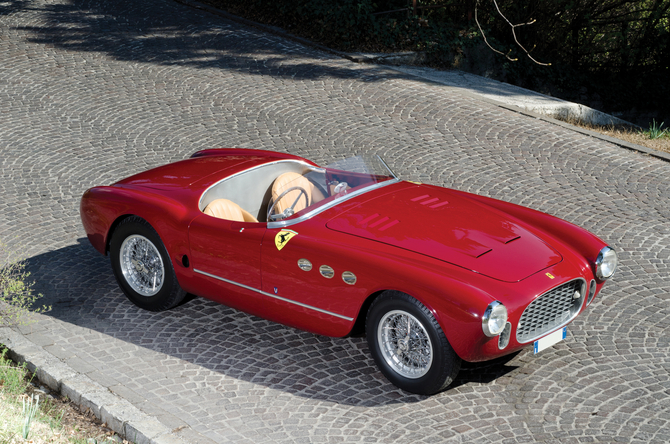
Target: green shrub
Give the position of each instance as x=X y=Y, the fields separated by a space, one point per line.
x=17 y=296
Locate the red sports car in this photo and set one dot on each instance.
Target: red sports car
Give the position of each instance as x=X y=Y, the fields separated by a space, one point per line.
x=433 y=276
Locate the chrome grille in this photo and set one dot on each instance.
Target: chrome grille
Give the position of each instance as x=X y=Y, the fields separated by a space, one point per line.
x=550 y=311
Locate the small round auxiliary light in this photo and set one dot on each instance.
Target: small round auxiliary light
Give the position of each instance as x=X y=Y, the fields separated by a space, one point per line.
x=503 y=339
x=592 y=291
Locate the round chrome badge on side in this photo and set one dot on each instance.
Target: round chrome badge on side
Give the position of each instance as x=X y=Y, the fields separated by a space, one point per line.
x=349 y=277
x=326 y=271
x=304 y=264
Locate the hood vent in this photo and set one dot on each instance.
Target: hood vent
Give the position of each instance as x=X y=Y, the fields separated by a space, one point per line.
x=482 y=254
x=427 y=199
x=376 y=220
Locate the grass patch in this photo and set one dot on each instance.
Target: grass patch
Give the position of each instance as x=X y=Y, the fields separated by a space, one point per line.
x=31 y=415
x=654 y=138
x=655 y=131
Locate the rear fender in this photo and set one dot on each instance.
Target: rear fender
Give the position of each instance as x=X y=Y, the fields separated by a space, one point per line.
x=102 y=208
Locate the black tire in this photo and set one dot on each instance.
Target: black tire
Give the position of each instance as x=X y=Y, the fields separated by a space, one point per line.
x=403 y=362
x=139 y=234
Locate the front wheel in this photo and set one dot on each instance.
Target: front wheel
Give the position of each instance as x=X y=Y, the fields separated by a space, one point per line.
x=409 y=345
x=142 y=266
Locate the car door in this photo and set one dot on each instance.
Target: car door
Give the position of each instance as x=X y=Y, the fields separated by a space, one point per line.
x=305 y=274
x=225 y=255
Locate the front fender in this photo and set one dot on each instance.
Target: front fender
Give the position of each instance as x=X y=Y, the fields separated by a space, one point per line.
x=581 y=241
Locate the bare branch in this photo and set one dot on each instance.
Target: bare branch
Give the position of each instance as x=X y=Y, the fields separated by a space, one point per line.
x=485 y=39
x=513 y=26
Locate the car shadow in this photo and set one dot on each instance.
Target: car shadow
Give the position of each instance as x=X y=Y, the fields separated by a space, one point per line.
x=79 y=285
x=169 y=33
x=484 y=372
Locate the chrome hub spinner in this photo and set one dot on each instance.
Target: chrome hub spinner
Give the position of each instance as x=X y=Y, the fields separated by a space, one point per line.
x=405 y=344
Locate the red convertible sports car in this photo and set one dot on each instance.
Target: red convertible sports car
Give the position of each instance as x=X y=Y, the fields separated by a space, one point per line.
x=431 y=275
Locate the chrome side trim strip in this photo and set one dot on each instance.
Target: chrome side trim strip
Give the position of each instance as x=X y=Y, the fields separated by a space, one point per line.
x=332 y=203
x=273 y=295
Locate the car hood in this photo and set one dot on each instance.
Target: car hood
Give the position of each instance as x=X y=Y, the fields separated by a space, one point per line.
x=438 y=223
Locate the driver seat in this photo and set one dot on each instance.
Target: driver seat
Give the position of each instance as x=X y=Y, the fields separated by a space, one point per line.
x=227 y=209
x=289 y=180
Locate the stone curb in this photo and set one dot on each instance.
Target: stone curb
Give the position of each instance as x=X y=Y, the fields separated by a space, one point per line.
x=408 y=57
x=395 y=58
x=622 y=143
x=120 y=415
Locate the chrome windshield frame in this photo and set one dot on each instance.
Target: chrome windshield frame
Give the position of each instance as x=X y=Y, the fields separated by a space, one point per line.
x=329 y=205
x=387 y=167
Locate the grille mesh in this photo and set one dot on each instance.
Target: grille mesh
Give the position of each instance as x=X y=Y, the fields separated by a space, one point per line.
x=549 y=311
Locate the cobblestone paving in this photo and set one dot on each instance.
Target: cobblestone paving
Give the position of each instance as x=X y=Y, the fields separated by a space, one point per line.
x=92 y=91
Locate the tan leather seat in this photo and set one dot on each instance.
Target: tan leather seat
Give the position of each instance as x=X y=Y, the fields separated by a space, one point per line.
x=226 y=209
x=289 y=180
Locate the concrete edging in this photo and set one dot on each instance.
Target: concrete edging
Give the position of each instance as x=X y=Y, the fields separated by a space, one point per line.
x=120 y=415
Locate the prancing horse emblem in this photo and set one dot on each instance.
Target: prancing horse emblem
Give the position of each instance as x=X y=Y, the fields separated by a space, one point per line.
x=283 y=237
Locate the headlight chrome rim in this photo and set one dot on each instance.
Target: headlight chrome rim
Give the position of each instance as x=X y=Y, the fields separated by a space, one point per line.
x=494 y=319
x=606 y=263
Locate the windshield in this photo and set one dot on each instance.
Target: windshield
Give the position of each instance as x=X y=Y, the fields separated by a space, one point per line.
x=296 y=196
x=371 y=165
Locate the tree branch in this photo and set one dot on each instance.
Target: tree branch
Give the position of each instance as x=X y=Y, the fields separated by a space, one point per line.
x=513 y=26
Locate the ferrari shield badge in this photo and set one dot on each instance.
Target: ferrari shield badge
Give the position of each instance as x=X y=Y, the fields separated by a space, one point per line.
x=283 y=237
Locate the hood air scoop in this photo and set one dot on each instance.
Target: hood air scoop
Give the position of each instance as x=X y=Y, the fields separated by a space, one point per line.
x=450 y=228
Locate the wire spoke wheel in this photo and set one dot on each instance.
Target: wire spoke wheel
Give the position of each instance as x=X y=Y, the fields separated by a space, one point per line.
x=405 y=344
x=142 y=265
x=408 y=344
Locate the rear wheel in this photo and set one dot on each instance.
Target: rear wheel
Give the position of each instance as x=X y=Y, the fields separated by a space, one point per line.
x=409 y=345
x=142 y=266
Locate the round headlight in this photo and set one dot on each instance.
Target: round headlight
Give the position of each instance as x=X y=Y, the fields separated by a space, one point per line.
x=494 y=319
x=606 y=263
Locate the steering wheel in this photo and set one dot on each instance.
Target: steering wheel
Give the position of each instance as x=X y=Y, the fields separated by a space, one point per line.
x=288 y=211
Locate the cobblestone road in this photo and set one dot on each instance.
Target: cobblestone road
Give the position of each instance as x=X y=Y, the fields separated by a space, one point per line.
x=92 y=91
